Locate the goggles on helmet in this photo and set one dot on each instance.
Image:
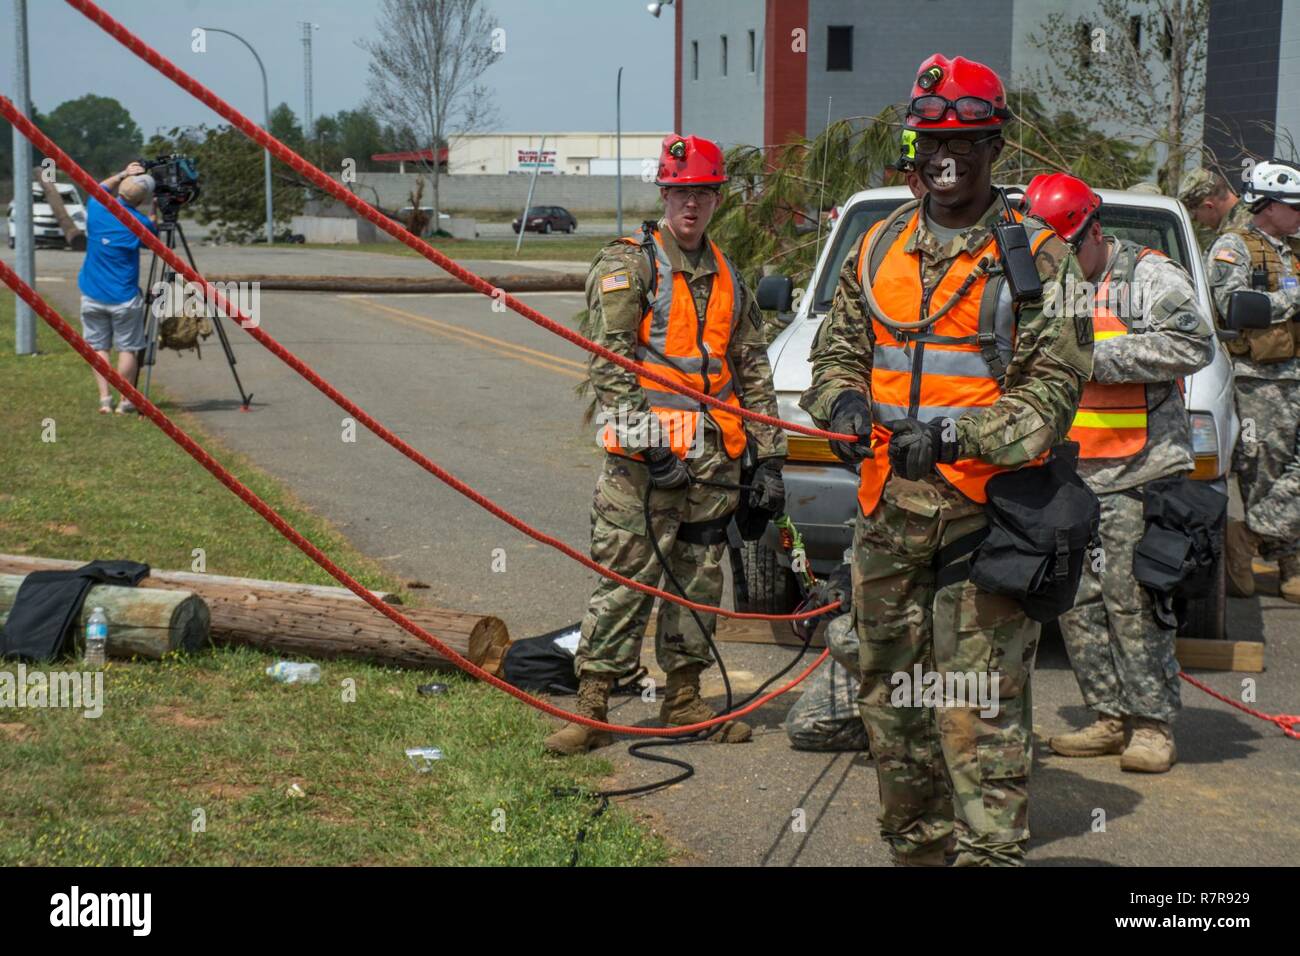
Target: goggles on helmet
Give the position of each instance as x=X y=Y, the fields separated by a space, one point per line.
x=969 y=109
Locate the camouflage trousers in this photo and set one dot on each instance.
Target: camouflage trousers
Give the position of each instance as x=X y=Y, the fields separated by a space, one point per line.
x=616 y=618
x=1122 y=658
x=952 y=763
x=1270 y=413
x=825 y=717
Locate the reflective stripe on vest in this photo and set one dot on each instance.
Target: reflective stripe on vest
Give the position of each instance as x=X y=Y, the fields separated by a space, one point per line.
x=944 y=374
x=677 y=344
x=1112 y=418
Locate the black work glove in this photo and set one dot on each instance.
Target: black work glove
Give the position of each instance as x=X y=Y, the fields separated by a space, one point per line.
x=836 y=586
x=915 y=448
x=851 y=415
x=767 y=491
x=667 y=471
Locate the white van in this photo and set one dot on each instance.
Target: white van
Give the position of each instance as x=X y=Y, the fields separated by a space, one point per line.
x=821 y=491
x=45 y=226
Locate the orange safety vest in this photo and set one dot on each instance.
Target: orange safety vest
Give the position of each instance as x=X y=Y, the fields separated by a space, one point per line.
x=1112 y=418
x=943 y=371
x=684 y=347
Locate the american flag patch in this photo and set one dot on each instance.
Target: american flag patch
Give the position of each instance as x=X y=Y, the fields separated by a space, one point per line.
x=1226 y=255
x=615 y=282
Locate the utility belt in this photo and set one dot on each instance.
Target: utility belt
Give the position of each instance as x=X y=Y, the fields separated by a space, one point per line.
x=1042 y=520
x=1182 y=544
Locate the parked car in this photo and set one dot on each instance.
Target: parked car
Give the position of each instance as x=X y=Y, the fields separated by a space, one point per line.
x=548 y=219
x=45 y=226
x=822 y=492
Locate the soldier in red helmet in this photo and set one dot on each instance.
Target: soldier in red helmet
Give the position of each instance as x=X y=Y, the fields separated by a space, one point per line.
x=1134 y=445
x=671 y=300
x=949 y=379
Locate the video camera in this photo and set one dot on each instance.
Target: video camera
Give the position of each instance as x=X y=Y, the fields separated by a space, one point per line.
x=176 y=182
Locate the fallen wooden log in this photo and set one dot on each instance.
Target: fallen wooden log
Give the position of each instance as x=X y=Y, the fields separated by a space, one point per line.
x=146 y=623
x=315 y=621
x=530 y=282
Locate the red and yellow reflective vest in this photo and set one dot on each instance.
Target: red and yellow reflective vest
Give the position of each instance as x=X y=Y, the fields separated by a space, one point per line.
x=944 y=371
x=1112 y=418
x=687 y=348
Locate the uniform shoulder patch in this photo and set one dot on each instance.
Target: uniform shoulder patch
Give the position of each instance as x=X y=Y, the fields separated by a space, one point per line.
x=615 y=282
x=1226 y=255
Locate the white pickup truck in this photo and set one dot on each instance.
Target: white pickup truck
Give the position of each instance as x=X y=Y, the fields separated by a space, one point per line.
x=821 y=491
x=45 y=225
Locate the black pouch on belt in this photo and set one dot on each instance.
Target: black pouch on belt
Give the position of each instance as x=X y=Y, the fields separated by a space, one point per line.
x=1041 y=522
x=1183 y=541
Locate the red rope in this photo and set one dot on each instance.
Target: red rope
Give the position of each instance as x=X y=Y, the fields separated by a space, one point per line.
x=199 y=454
x=1290 y=723
x=82 y=178
x=365 y=210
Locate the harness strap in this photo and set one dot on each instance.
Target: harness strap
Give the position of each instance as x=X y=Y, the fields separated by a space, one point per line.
x=713 y=531
x=952 y=562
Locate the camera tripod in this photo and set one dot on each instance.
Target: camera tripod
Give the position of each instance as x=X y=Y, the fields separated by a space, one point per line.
x=169 y=229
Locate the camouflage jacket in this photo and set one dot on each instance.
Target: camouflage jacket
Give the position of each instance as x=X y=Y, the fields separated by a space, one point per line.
x=1169 y=337
x=1050 y=362
x=1229 y=269
x=616 y=314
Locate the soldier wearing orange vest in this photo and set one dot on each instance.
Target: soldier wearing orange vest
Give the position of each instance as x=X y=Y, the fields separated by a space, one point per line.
x=672 y=301
x=1132 y=428
x=948 y=382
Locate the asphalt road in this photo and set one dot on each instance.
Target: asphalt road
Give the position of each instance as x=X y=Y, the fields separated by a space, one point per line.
x=490 y=397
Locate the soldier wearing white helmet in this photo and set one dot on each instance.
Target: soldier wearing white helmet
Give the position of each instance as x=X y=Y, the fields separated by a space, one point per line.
x=1255 y=255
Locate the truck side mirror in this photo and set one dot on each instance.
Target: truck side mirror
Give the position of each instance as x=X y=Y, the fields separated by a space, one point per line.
x=1249 y=310
x=775 y=294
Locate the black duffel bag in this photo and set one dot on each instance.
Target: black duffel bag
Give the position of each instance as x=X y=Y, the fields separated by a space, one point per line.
x=1182 y=545
x=1042 y=520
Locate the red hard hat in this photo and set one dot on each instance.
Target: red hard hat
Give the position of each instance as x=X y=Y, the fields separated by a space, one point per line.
x=1065 y=203
x=956 y=80
x=690 y=161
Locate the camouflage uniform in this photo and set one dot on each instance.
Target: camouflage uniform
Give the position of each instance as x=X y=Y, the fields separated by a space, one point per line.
x=1123 y=659
x=825 y=717
x=900 y=617
x=616 y=617
x=1268 y=394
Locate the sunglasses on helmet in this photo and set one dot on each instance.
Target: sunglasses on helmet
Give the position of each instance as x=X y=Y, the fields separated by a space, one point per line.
x=969 y=109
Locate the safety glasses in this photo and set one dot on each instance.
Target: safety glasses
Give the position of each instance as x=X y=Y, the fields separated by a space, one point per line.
x=698 y=194
x=969 y=109
x=929 y=145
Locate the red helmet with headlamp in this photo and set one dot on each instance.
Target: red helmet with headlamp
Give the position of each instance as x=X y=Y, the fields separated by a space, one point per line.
x=690 y=161
x=956 y=94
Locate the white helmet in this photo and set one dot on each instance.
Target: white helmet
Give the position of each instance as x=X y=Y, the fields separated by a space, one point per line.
x=1273 y=179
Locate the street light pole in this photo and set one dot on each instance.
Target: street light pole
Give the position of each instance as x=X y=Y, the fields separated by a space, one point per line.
x=24 y=234
x=266 y=112
x=618 y=137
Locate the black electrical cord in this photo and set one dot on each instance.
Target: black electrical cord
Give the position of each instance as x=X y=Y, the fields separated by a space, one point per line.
x=638 y=749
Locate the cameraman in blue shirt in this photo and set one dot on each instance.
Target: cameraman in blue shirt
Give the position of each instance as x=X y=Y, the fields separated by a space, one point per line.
x=112 y=306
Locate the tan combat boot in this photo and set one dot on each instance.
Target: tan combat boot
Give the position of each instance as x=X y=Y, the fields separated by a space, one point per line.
x=682 y=705
x=1288 y=577
x=1150 y=748
x=1104 y=736
x=1240 y=548
x=593 y=702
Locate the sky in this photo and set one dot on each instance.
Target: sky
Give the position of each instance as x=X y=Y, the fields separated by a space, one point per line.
x=556 y=74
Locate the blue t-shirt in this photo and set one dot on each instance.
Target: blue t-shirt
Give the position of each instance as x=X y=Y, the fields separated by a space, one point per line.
x=111 y=272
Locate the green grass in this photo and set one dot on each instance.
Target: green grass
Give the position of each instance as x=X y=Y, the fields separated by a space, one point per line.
x=212 y=732
x=581 y=250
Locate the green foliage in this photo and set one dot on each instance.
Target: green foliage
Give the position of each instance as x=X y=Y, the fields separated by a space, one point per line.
x=97 y=132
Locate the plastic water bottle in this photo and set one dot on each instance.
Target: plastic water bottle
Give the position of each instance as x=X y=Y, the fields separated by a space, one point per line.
x=290 y=672
x=96 y=638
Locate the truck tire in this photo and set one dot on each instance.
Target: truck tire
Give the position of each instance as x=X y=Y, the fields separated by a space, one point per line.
x=1205 y=617
x=772 y=588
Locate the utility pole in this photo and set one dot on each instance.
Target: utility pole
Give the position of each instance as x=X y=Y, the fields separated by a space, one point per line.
x=528 y=204
x=24 y=236
x=618 y=137
x=307 y=118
